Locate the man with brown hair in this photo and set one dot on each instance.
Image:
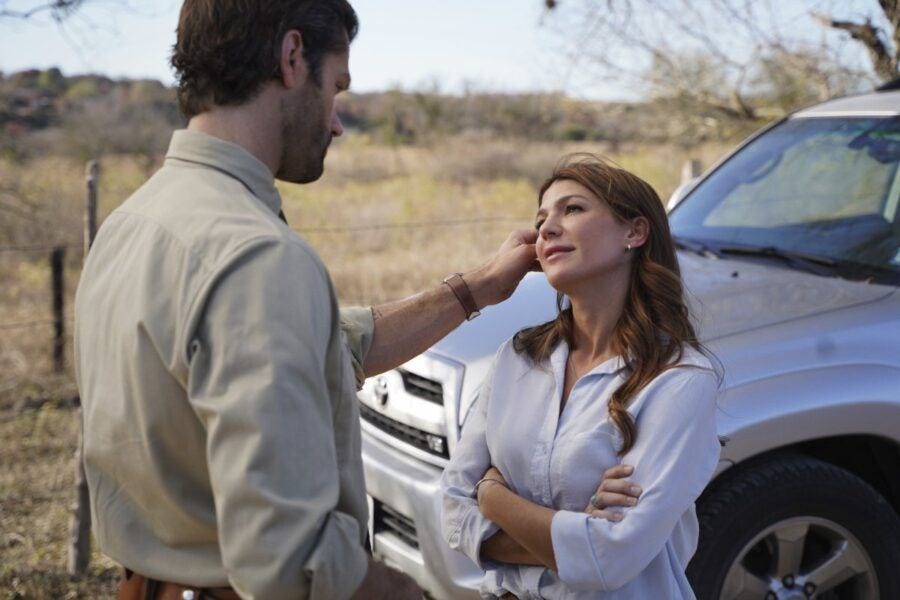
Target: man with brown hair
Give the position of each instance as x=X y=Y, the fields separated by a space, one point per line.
x=221 y=433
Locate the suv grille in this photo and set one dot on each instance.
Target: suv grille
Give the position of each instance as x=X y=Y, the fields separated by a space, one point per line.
x=386 y=518
x=422 y=387
x=428 y=442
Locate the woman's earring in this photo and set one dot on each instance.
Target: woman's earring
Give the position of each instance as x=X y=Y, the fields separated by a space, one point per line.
x=628 y=248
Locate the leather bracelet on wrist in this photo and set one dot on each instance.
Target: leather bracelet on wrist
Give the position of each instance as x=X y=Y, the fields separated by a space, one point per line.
x=462 y=292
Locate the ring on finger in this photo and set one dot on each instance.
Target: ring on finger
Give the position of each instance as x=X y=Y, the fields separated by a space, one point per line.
x=595 y=501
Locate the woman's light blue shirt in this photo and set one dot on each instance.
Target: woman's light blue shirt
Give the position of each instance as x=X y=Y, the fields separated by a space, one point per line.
x=557 y=460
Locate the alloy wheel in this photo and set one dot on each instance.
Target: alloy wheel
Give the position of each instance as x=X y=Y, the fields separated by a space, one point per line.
x=798 y=558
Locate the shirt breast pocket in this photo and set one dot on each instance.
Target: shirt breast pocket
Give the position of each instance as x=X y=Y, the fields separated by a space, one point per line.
x=578 y=464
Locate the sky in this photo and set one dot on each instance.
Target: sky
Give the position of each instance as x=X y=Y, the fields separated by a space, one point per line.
x=485 y=45
x=496 y=45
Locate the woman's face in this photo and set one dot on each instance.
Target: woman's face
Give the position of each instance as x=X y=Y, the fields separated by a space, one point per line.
x=578 y=237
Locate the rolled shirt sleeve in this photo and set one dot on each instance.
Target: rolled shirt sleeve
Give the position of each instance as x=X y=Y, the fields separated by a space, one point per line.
x=675 y=455
x=258 y=380
x=462 y=524
x=358 y=327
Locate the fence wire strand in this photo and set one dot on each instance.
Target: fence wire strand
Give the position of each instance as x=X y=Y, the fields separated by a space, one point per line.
x=26 y=248
x=36 y=323
x=411 y=225
x=26 y=324
x=39 y=247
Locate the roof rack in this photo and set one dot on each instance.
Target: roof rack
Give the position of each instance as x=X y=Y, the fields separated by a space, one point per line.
x=894 y=84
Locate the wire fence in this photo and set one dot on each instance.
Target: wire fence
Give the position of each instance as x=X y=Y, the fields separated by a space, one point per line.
x=26 y=324
x=56 y=256
x=38 y=247
x=413 y=225
x=27 y=249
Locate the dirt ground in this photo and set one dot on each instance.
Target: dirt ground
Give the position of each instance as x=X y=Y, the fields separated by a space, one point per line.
x=36 y=492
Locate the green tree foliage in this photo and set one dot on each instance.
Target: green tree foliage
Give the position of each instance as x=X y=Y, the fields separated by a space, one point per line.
x=88 y=116
x=51 y=80
x=83 y=88
x=85 y=116
x=398 y=117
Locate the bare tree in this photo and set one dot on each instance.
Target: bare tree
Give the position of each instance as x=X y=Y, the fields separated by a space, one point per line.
x=727 y=60
x=881 y=42
x=58 y=9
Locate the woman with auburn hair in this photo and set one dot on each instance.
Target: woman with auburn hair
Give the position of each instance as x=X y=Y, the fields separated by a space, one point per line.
x=617 y=377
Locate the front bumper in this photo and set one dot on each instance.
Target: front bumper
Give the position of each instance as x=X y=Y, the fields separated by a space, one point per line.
x=410 y=488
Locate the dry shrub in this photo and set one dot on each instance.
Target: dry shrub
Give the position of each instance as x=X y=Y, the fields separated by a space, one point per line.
x=468 y=158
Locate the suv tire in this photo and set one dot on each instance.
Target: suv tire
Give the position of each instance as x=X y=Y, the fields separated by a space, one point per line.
x=768 y=530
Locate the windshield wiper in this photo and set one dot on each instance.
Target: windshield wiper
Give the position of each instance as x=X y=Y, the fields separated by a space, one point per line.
x=695 y=246
x=819 y=265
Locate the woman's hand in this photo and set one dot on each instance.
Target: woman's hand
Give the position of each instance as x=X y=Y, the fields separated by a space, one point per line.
x=524 y=523
x=614 y=490
x=492 y=475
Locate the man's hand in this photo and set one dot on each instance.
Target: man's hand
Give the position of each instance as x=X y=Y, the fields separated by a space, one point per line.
x=496 y=280
x=406 y=328
x=614 y=490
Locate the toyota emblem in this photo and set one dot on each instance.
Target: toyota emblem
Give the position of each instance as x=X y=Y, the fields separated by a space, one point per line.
x=381 y=391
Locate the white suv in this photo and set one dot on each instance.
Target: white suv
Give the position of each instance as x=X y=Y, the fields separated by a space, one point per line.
x=790 y=252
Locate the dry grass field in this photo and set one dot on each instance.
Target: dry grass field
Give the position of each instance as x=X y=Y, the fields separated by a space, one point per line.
x=368 y=218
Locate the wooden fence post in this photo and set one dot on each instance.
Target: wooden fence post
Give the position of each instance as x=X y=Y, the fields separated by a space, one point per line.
x=80 y=524
x=92 y=176
x=57 y=268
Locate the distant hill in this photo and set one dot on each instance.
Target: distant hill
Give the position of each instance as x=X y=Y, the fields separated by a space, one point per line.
x=83 y=115
x=36 y=99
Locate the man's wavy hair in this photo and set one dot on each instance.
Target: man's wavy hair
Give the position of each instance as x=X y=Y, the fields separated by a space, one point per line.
x=227 y=49
x=654 y=326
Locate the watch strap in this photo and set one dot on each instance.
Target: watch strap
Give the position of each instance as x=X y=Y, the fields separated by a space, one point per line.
x=462 y=292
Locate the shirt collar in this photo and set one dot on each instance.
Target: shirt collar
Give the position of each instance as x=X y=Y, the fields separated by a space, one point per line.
x=560 y=355
x=231 y=159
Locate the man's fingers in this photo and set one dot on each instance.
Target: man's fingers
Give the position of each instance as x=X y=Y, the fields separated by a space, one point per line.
x=528 y=251
x=524 y=236
x=519 y=237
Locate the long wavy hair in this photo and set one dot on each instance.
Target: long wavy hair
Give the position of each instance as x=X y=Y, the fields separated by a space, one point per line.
x=654 y=326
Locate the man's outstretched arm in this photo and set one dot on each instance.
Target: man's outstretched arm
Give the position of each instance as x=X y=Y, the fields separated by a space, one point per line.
x=408 y=327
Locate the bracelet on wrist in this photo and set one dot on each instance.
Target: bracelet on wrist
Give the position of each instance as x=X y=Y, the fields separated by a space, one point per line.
x=463 y=294
x=485 y=480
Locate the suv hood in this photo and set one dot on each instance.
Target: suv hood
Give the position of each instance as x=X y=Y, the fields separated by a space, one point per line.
x=726 y=297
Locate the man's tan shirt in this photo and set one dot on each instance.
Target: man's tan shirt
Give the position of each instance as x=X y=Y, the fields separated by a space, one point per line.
x=221 y=431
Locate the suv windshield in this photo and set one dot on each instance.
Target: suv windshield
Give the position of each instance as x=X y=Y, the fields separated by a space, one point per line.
x=813 y=187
